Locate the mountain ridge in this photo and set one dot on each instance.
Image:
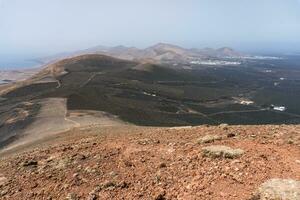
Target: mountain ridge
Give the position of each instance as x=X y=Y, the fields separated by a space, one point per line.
x=159 y=52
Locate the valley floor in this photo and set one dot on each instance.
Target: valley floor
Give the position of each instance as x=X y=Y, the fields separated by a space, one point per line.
x=130 y=162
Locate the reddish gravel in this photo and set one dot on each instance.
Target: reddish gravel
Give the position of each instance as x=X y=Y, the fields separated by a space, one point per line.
x=151 y=163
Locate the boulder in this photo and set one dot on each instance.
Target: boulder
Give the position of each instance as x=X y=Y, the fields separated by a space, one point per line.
x=208 y=139
x=278 y=189
x=216 y=151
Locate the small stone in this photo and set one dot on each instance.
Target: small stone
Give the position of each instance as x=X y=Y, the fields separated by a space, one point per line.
x=208 y=139
x=63 y=163
x=230 y=135
x=97 y=189
x=113 y=174
x=34 y=185
x=160 y=195
x=3 y=180
x=30 y=163
x=128 y=163
x=224 y=126
x=72 y=196
x=75 y=175
x=123 y=184
x=109 y=184
x=162 y=165
x=3 y=192
x=290 y=141
x=144 y=141
x=92 y=196
x=81 y=157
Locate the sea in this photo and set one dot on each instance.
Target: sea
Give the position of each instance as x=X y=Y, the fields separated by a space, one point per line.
x=17 y=63
x=9 y=63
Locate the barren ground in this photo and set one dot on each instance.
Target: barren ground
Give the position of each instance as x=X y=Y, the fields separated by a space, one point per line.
x=129 y=162
x=53 y=118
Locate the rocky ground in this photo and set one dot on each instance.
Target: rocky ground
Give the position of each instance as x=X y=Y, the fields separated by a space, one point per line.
x=128 y=162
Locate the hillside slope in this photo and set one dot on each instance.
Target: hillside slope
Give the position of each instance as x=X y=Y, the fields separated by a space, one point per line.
x=93 y=86
x=127 y=162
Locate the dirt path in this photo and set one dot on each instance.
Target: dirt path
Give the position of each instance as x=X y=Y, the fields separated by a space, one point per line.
x=58 y=84
x=90 y=78
x=240 y=111
x=75 y=124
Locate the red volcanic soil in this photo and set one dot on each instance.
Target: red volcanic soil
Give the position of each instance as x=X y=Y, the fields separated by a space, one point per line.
x=128 y=162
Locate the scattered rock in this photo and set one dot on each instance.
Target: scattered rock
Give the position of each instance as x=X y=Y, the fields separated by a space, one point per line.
x=221 y=151
x=113 y=174
x=79 y=156
x=3 y=180
x=278 y=189
x=148 y=141
x=162 y=165
x=75 y=175
x=123 y=184
x=230 y=135
x=117 y=167
x=108 y=184
x=128 y=163
x=92 y=196
x=63 y=163
x=160 y=195
x=290 y=141
x=223 y=126
x=97 y=189
x=72 y=196
x=29 y=163
x=3 y=192
x=208 y=139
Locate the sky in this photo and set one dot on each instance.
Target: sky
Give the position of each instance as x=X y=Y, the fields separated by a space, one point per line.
x=41 y=27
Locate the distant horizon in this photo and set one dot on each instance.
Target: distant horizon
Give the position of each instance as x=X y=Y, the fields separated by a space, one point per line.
x=273 y=51
x=24 y=61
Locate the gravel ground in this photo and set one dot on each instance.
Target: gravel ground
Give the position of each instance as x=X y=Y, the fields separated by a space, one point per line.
x=128 y=162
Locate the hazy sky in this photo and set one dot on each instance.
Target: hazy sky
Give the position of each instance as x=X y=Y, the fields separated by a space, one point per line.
x=50 y=26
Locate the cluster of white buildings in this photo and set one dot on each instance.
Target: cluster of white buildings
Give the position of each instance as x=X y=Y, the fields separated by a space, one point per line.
x=278 y=108
x=149 y=94
x=249 y=102
x=268 y=71
x=256 y=57
x=246 y=102
x=214 y=62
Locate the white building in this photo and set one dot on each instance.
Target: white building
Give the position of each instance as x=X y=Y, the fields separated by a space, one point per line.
x=279 y=108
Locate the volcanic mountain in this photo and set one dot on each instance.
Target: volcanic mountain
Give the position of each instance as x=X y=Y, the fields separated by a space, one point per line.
x=161 y=52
